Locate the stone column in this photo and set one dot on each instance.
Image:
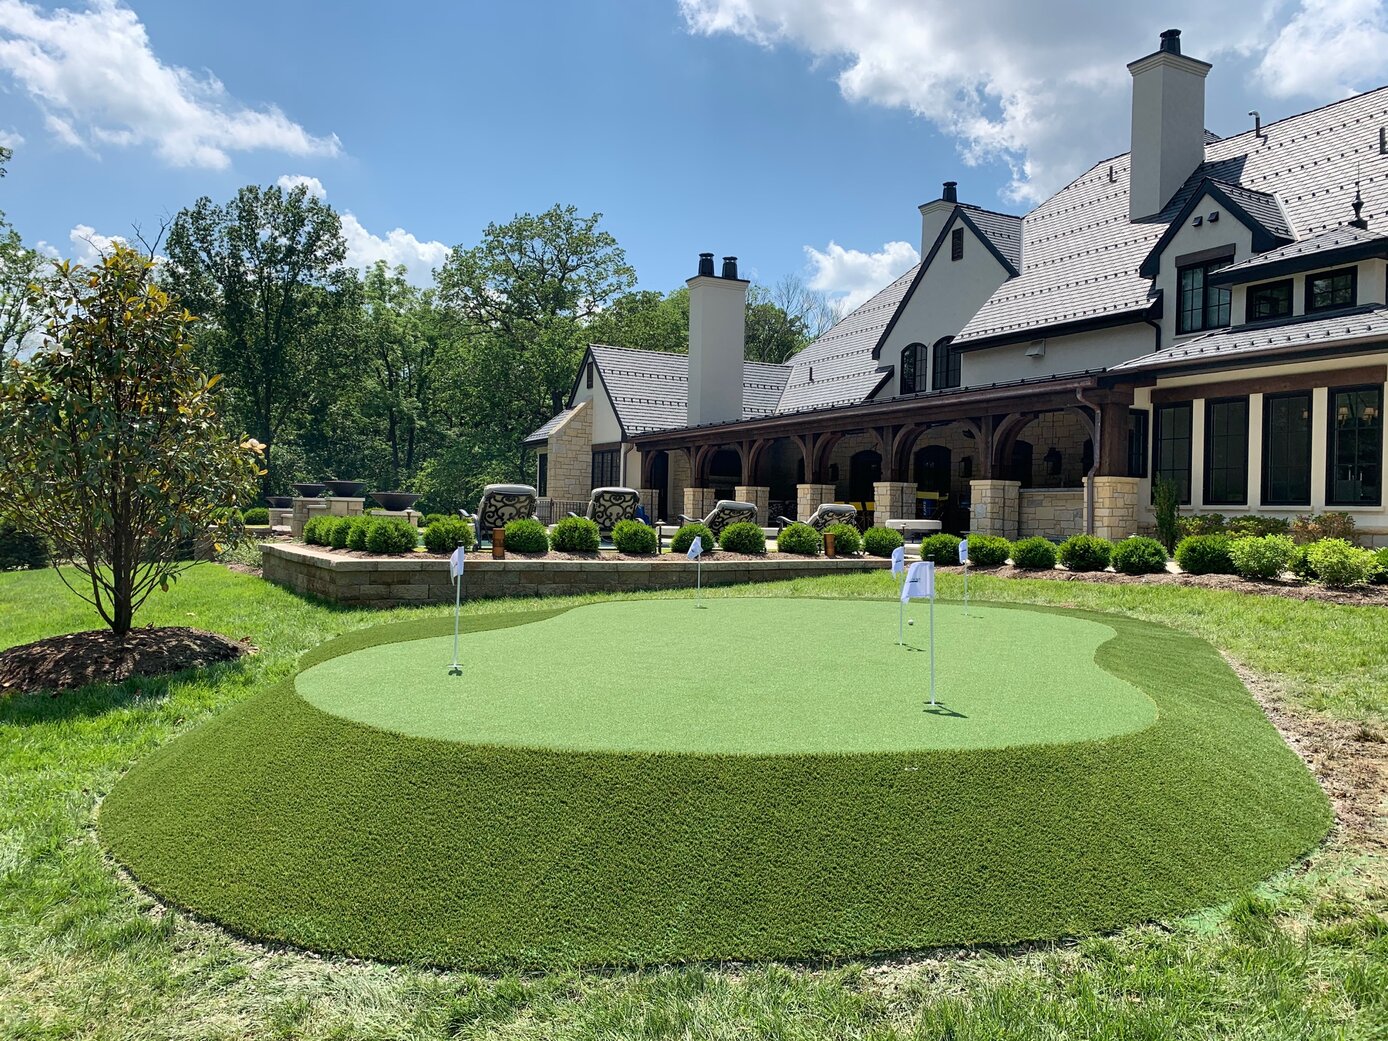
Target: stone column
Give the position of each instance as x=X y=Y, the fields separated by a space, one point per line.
x=808 y=498
x=758 y=496
x=995 y=507
x=346 y=506
x=1115 y=506
x=893 y=500
x=698 y=502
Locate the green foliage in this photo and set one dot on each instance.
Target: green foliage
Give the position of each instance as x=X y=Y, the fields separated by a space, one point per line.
x=1034 y=554
x=358 y=529
x=848 y=540
x=1380 y=577
x=1205 y=555
x=21 y=550
x=314 y=533
x=881 y=542
x=1085 y=553
x=1256 y=524
x=798 y=538
x=433 y=518
x=391 y=535
x=446 y=534
x=1262 y=557
x=110 y=437
x=1315 y=527
x=684 y=538
x=337 y=530
x=526 y=536
x=1339 y=563
x=1300 y=565
x=1202 y=524
x=942 y=548
x=256 y=516
x=635 y=538
x=576 y=535
x=988 y=550
x=1139 y=555
x=743 y=537
x=1166 y=504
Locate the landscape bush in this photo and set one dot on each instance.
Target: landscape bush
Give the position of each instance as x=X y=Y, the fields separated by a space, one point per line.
x=356 y=531
x=335 y=531
x=1300 y=565
x=988 y=550
x=848 y=541
x=631 y=536
x=1380 y=577
x=1258 y=526
x=1262 y=557
x=684 y=538
x=1139 y=555
x=942 y=548
x=430 y=519
x=800 y=538
x=575 y=535
x=1201 y=524
x=314 y=531
x=881 y=542
x=1313 y=527
x=743 y=537
x=1085 y=553
x=1033 y=554
x=526 y=536
x=256 y=516
x=446 y=534
x=1339 y=563
x=391 y=535
x=1166 y=504
x=1205 y=555
x=21 y=550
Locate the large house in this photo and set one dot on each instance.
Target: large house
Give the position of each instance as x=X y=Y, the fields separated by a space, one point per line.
x=1208 y=309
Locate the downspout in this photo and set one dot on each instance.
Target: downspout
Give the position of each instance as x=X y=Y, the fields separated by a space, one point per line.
x=1094 y=466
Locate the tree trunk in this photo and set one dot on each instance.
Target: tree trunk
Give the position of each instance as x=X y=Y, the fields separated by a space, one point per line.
x=393 y=436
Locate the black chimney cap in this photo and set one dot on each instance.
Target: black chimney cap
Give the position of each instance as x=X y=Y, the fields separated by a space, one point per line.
x=706 y=264
x=951 y=192
x=730 y=267
x=1171 y=41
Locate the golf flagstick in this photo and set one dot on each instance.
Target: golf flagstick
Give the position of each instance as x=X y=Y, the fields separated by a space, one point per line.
x=964 y=560
x=898 y=568
x=696 y=551
x=455 y=567
x=920 y=583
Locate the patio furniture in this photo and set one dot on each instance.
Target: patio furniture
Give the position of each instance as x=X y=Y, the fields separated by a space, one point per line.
x=915 y=529
x=609 y=506
x=828 y=513
x=499 y=504
x=725 y=512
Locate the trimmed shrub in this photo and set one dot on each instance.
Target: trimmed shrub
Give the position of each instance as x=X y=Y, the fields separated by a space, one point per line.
x=335 y=530
x=1034 y=554
x=448 y=533
x=1380 y=577
x=1258 y=526
x=880 y=542
x=1139 y=555
x=357 y=529
x=256 y=516
x=1201 y=524
x=1337 y=563
x=21 y=550
x=1300 y=566
x=430 y=519
x=1314 y=527
x=941 y=548
x=1205 y=555
x=314 y=531
x=800 y=538
x=1265 y=557
x=848 y=541
x=631 y=536
x=1085 y=553
x=988 y=550
x=527 y=536
x=743 y=537
x=575 y=535
x=392 y=535
x=1166 y=504
x=684 y=538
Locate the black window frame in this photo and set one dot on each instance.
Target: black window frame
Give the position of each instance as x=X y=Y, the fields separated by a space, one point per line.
x=1212 y=443
x=946 y=367
x=1139 y=441
x=1332 y=446
x=542 y=474
x=1205 y=267
x=588 y=376
x=913 y=371
x=1159 y=433
x=1272 y=443
x=1340 y=272
x=606 y=471
x=956 y=244
x=1280 y=284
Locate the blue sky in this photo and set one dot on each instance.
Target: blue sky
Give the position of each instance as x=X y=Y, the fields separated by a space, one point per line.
x=766 y=128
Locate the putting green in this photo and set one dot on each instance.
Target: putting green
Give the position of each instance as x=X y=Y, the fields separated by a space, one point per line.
x=752 y=676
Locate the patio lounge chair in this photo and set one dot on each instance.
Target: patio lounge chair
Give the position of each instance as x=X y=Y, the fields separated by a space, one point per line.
x=725 y=512
x=827 y=514
x=500 y=503
x=609 y=506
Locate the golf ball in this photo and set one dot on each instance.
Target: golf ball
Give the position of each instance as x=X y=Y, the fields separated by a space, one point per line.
x=910 y=621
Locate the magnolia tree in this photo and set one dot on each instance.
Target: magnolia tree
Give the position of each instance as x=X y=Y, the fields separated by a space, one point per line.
x=110 y=443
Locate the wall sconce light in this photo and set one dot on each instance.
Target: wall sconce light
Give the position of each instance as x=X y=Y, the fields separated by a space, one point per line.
x=1370 y=413
x=1342 y=414
x=1052 y=459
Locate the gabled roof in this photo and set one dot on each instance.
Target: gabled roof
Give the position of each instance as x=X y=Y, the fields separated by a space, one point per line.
x=1002 y=232
x=1258 y=211
x=555 y=422
x=1341 y=245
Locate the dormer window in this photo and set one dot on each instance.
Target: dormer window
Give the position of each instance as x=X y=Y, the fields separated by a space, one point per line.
x=1330 y=290
x=1201 y=306
x=1269 y=300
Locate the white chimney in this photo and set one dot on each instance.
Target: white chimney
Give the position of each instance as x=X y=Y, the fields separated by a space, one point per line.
x=1168 y=124
x=935 y=213
x=717 y=337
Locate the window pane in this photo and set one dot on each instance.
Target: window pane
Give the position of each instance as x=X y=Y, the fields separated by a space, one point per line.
x=1273 y=300
x=1331 y=290
x=908 y=369
x=1287 y=450
x=542 y=474
x=1137 y=442
x=1226 y=451
x=1192 y=310
x=1356 y=447
x=1171 y=458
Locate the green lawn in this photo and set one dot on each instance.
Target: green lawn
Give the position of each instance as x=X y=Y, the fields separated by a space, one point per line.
x=83 y=954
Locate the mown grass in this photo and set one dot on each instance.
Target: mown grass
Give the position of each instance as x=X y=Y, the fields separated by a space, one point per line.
x=83 y=954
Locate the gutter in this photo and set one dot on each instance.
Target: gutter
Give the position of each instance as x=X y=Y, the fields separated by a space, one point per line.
x=1094 y=466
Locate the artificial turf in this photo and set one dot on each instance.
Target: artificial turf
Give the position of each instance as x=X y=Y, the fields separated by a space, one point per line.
x=284 y=822
x=751 y=676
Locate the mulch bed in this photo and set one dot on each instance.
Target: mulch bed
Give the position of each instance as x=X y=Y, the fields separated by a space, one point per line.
x=62 y=663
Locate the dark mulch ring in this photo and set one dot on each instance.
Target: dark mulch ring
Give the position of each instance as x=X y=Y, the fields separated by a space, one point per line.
x=62 y=663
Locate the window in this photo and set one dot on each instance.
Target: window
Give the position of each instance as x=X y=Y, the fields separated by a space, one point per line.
x=1202 y=306
x=605 y=466
x=956 y=244
x=1137 y=442
x=588 y=376
x=1226 y=451
x=1331 y=289
x=1287 y=449
x=913 y=368
x=1356 y=447
x=946 y=362
x=1171 y=447
x=1269 y=300
x=542 y=473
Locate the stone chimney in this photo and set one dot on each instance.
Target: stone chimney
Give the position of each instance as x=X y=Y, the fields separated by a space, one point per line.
x=935 y=213
x=717 y=338
x=1168 y=124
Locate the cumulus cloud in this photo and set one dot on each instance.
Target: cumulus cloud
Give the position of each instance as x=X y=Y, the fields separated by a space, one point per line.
x=315 y=187
x=10 y=138
x=97 y=81
x=1328 y=49
x=852 y=276
x=85 y=245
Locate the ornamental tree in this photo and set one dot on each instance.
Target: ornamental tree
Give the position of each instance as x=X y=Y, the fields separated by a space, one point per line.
x=110 y=443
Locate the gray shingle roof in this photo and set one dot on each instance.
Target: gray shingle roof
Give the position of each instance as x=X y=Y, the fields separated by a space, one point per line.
x=1326 y=242
x=1004 y=231
x=1369 y=324
x=1261 y=206
x=542 y=434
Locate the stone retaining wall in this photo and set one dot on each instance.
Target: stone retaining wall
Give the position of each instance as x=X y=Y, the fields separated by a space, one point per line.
x=392 y=581
x=1053 y=513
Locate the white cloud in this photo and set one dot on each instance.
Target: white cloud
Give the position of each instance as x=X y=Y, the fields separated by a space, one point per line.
x=315 y=187
x=11 y=138
x=1041 y=87
x=852 y=276
x=85 y=245
x=97 y=81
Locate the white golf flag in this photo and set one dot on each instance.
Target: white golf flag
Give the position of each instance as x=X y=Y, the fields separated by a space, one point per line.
x=920 y=582
x=696 y=548
x=898 y=560
x=964 y=551
x=455 y=563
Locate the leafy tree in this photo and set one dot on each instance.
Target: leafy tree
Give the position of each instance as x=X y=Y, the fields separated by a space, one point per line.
x=784 y=319
x=19 y=268
x=110 y=439
x=644 y=320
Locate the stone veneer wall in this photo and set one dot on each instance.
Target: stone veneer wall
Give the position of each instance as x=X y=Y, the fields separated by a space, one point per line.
x=996 y=507
x=1054 y=513
x=392 y=581
x=1115 y=507
x=570 y=451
